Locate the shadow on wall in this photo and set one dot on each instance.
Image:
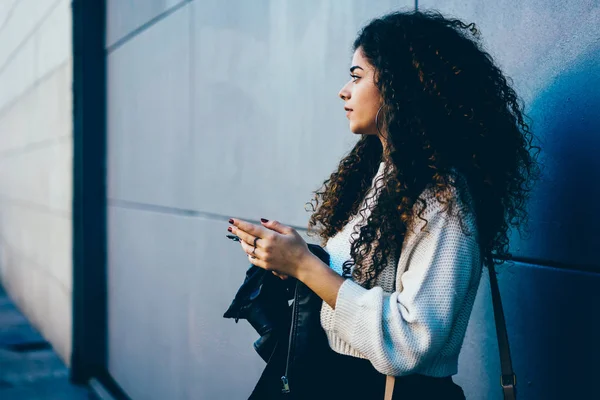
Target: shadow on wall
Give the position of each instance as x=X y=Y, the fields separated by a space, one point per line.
x=564 y=208
x=552 y=313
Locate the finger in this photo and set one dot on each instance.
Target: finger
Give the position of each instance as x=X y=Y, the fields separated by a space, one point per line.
x=276 y=226
x=246 y=237
x=254 y=230
x=257 y=261
x=280 y=276
x=248 y=249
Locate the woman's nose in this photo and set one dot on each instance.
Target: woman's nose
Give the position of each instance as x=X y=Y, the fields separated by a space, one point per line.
x=344 y=93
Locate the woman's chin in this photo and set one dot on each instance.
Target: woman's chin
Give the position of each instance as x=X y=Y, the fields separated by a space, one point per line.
x=355 y=128
x=358 y=130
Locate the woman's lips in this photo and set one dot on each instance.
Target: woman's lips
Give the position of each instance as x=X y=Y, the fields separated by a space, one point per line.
x=348 y=111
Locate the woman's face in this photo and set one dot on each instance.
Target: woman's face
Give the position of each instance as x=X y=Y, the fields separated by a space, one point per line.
x=361 y=96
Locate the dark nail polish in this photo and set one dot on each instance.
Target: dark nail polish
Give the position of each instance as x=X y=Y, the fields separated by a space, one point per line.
x=264 y=220
x=230 y=221
x=229 y=229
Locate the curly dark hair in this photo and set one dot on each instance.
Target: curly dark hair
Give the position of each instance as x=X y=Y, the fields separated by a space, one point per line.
x=446 y=107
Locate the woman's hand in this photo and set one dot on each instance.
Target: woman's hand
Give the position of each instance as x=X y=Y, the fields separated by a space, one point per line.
x=279 y=248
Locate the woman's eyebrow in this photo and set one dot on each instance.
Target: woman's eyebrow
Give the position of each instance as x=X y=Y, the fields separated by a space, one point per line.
x=355 y=67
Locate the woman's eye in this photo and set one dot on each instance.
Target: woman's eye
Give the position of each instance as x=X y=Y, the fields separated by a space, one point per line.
x=354 y=77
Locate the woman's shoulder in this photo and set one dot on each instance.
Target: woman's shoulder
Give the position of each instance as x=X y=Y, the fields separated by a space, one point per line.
x=456 y=190
x=453 y=200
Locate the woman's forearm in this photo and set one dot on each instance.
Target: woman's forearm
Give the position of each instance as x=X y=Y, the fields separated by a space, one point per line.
x=321 y=279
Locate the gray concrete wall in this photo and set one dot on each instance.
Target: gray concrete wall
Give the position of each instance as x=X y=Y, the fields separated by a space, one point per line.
x=219 y=109
x=36 y=163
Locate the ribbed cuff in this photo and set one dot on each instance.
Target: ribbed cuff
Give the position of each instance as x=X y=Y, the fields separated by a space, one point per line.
x=341 y=347
x=347 y=310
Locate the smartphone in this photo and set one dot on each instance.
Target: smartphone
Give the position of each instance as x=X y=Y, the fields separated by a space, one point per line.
x=234 y=238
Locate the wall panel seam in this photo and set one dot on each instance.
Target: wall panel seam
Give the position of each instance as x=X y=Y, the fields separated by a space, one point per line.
x=34 y=85
x=174 y=211
x=9 y=14
x=145 y=26
x=23 y=42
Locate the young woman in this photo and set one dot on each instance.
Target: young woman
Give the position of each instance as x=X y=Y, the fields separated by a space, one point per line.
x=442 y=167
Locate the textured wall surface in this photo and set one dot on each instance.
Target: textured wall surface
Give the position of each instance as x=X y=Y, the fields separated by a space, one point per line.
x=36 y=163
x=552 y=53
x=219 y=109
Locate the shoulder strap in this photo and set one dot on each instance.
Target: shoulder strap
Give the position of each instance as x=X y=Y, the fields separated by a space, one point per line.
x=389 y=387
x=508 y=379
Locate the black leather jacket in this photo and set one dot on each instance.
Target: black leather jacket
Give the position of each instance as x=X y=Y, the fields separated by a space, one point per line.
x=292 y=341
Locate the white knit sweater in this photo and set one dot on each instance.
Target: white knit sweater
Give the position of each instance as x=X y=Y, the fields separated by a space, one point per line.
x=414 y=320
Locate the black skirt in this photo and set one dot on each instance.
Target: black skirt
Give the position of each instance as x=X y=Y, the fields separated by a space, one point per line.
x=356 y=378
x=337 y=376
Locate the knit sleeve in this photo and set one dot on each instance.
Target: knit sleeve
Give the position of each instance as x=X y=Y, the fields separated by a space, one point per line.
x=400 y=332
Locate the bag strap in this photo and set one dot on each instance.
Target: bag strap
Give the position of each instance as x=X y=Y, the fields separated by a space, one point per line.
x=389 y=387
x=508 y=379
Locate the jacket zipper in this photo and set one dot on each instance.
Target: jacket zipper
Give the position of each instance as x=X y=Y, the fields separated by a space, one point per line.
x=284 y=378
